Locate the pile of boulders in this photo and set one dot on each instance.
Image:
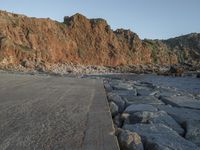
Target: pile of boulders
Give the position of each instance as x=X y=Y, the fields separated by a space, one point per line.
x=152 y=117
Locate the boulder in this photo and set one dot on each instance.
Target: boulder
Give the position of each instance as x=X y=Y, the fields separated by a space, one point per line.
x=117 y=100
x=193 y=131
x=144 y=84
x=188 y=118
x=181 y=115
x=130 y=141
x=126 y=93
x=122 y=86
x=142 y=100
x=118 y=121
x=163 y=91
x=113 y=108
x=159 y=117
x=140 y=107
x=181 y=101
x=198 y=75
x=160 y=137
x=107 y=87
x=176 y=70
x=146 y=92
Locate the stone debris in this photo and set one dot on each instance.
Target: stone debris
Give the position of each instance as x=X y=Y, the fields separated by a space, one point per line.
x=130 y=140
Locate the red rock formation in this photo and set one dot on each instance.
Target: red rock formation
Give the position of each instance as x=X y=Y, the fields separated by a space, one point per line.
x=78 y=40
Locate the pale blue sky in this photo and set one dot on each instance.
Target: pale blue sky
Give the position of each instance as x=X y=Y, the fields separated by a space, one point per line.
x=148 y=18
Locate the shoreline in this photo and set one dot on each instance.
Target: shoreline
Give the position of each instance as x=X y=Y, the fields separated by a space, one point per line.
x=71 y=69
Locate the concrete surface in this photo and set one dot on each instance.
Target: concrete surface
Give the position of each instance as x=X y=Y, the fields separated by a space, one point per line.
x=54 y=113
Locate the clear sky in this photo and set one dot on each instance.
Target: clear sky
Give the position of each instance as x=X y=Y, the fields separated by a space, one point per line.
x=156 y=19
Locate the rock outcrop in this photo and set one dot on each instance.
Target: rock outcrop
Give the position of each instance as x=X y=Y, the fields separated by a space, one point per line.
x=77 y=40
x=41 y=44
x=186 y=47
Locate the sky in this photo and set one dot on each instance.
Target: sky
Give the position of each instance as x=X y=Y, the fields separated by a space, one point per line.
x=152 y=19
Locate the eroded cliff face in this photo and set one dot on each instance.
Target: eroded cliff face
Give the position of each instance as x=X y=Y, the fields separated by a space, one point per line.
x=187 y=48
x=77 y=40
x=160 y=52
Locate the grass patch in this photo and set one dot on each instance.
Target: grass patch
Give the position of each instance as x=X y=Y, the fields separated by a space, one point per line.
x=154 y=49
x=25 y=48
x=1 y=58
x=81 y=53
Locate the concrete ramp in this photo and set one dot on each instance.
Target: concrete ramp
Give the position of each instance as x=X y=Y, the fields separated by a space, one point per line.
x=57 y=113
x=100 y=130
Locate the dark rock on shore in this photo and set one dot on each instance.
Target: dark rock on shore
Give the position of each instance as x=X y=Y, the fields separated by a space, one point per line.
x=198 y=75
x=142 y=100
x=181 y=101
x=159 y=117
x=188 y=118
x=159 y=137
x=130 y=140
x=140 y=107
x=113 y=108
x=117 y=100
x=193 y=131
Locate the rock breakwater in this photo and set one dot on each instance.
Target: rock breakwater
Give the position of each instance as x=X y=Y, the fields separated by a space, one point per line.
x=147 y=116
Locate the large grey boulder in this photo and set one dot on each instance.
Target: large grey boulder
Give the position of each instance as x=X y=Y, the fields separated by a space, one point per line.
x=117 y=100
x=160 y=137
x=140 y=107
x=113 y=108
x=159 y=117
x=193 y=132
x=181 y=101
x=118 y=121
x=140 y=85
x=163 y=91
x=125 y=93
x=114 y=82
x=130 y=141
x=142 y=100
x=181 y=115
x=146 y=92
x=107 y=87
x=145 y=89
x=122 y=86
x=188 y=118
x=198 y=74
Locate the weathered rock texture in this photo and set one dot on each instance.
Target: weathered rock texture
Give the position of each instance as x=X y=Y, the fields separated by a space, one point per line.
x=164 y=117
x=186 y=48
x=77 y=40
x=40 y=43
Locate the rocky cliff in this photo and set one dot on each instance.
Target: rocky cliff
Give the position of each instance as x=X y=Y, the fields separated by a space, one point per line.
x=33 y=42
x=186 y=47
